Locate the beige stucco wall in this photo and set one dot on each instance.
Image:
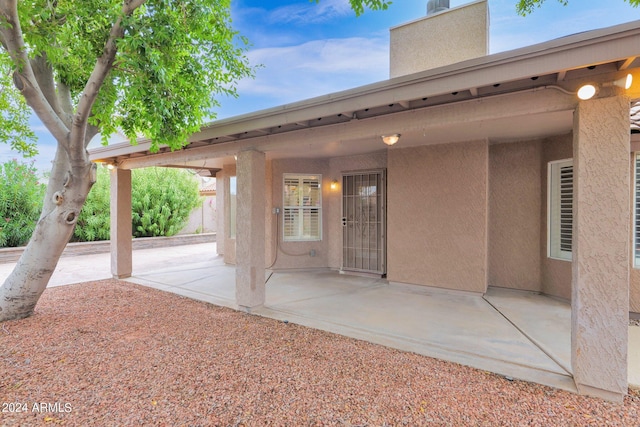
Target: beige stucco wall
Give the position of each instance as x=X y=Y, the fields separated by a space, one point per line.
x=270 y=224
x=297 y=254
x=437 y=215
x=444 y=38
x=203 y=218
x=514 y=215
x=229 y=242
x=337 y=166
x=556 y=274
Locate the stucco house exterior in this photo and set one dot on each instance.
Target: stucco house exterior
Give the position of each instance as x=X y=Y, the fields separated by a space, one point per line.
x=501 y=176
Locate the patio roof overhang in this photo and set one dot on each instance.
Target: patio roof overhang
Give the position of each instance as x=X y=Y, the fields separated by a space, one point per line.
x=351 y=121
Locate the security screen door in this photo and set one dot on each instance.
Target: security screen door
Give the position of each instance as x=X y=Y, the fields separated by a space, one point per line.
x=363 y=222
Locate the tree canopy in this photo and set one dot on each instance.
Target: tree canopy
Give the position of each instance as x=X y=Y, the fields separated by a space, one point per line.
x=525 y=7
x=152 y=67
x=148 y=68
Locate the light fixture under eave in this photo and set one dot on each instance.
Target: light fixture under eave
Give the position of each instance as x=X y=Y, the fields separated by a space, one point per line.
x=623 y=82
x=586 y=92
x=391 y=139
x=334 y=184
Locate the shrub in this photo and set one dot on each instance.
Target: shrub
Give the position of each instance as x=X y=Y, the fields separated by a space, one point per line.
x=162 y=200
x=21 y=196
x=94 y=220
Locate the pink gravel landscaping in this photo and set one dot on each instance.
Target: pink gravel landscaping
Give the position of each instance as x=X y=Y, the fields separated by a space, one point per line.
x=110 y=353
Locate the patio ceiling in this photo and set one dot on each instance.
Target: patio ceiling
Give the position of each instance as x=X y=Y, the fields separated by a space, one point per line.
x=324 y=126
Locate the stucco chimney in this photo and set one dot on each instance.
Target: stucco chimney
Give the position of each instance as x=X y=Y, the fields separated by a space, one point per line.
x=444 y=37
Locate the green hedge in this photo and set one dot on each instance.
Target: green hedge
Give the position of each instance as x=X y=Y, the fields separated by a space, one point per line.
x=161 y=201
x=21 y=196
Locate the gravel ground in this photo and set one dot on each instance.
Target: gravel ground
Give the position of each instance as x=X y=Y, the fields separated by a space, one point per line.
x=110 y=353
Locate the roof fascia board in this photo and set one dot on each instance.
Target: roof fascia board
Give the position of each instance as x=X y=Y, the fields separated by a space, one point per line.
x=470 y=113
x=571 y=52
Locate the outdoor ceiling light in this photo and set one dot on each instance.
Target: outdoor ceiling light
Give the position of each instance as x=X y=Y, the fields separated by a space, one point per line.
x=391 y=139
x=586 y=92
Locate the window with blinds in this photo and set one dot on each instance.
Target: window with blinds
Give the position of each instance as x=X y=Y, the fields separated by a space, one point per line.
x=302 y=208
x=560 y=206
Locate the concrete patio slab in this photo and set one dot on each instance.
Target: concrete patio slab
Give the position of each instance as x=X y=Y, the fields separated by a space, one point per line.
x=516 y=334
x=543 y=320
x=456 y=327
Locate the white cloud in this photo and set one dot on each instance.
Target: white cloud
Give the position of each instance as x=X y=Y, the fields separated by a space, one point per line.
x=317 y=68
x=42 y=160
x=310 y=12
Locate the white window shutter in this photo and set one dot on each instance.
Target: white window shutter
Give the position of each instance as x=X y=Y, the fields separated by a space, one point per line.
x=560 y=209
x=302 y=207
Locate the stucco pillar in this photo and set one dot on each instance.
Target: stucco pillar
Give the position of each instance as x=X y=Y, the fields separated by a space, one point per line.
x=221 y=232
x=250 y=230
x=121 y=232
x=601 y=218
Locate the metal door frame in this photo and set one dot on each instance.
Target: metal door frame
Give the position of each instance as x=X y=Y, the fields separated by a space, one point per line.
x=383 y=220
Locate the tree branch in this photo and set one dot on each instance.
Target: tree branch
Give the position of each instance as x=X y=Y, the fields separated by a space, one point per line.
x=104 y=64
x=64 y=97
x=24 y=78
x=44 y=76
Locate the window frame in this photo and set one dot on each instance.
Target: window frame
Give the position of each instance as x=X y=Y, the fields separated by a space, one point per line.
x=300 y=208
x=554 y=230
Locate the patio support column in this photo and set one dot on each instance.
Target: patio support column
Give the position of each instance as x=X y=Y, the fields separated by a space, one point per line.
x=121 y=232
x=250 y=230
x=600 y=270
x=221 y=188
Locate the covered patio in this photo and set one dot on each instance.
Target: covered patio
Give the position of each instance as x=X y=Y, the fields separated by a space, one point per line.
x=505 y=178
x=517 y=334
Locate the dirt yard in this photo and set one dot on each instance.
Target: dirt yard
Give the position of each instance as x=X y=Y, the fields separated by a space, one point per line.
x=111 y=353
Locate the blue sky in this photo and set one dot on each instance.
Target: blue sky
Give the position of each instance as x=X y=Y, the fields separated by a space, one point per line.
x=309 y=49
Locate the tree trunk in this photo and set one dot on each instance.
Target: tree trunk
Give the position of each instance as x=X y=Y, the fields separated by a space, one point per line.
x=68 y=187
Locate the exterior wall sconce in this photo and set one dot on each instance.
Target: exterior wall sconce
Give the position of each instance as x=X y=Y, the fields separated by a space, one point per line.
x=391 y=139
x=334 y=185
x=588 y=91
